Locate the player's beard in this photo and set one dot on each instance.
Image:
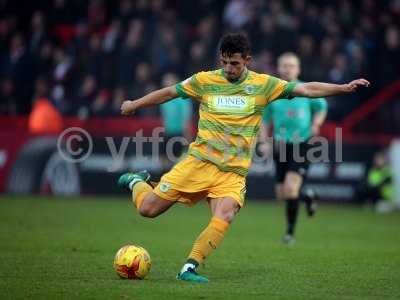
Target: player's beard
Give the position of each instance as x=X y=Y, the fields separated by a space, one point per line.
x=234 y=79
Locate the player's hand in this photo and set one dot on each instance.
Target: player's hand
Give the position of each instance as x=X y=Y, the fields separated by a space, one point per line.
x=128 y=108
x=355 y=85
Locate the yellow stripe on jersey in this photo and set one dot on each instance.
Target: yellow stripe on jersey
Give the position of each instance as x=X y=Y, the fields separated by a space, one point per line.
x=230 y=115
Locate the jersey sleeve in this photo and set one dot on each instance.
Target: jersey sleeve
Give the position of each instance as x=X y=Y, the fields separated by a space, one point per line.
x=190 y=88
x=319 y=105
x=276 y=88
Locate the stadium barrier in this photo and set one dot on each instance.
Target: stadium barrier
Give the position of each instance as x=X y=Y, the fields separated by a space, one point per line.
x=31 y=163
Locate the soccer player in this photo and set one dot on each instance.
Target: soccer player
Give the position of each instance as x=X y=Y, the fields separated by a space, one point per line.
x=232 y=100
x=293 y=122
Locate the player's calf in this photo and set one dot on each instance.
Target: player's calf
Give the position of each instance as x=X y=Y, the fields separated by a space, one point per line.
x=223 y=211
x=153 y=206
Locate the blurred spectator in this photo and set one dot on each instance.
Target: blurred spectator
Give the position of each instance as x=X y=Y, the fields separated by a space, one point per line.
x=264 y=62
x=44 y=60
x=7 y=97
x=311 y=22
x=99 y=107
x=44 y=117
x=67 y=41
x=267 y=36
x=206 y=31
x=165 y=52
x=63 y=66
x=142 y=75
x=118 y=97
x=199 y=60
x=327 y=51
x=96 y=13
x=4 y=34
x=345 y=13
x=81 y=37
x=131 y=53
x=378 y=188
x=357 y=65
x=307 y=57
x=112 y=37
x=61 y=13
x=339 y=72
x=151 y=110
x=18 y=65
x=125 y=11
x=94 y=61
x=38 y=34
x=237 y=13
x=389 y=65
x=85 y=97
x=62 y=79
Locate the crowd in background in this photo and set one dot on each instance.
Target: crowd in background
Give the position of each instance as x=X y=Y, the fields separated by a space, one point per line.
x=88 y=56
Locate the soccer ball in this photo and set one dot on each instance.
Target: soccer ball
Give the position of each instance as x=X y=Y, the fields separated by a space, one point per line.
x=132 y=262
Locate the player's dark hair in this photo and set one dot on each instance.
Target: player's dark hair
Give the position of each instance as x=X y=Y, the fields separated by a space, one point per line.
x=234 y=43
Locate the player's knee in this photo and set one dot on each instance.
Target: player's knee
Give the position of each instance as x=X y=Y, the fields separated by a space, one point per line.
x=227 y=216
x=227 y=213
x=290 y=191
x=148 y=211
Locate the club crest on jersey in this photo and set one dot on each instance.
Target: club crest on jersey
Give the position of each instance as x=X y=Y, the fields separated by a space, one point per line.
x=249 y=89
x=164 y=187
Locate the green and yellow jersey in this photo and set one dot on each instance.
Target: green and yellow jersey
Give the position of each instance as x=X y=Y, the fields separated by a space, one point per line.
x=230 y=115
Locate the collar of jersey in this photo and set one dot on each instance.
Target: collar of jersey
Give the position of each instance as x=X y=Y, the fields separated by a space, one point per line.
x=238 y=81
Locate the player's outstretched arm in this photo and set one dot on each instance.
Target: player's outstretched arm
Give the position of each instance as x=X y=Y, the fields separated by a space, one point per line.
x=321 y=89
x=129 y=107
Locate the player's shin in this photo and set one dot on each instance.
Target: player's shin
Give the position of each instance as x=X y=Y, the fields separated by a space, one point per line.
x=208 y=240
x=139 y=192
x=137 y=184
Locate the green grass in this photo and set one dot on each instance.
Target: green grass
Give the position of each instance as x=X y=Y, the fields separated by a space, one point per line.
x=54 y=248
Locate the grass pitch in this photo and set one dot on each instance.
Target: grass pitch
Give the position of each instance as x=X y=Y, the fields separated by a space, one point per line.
x=53 y=248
